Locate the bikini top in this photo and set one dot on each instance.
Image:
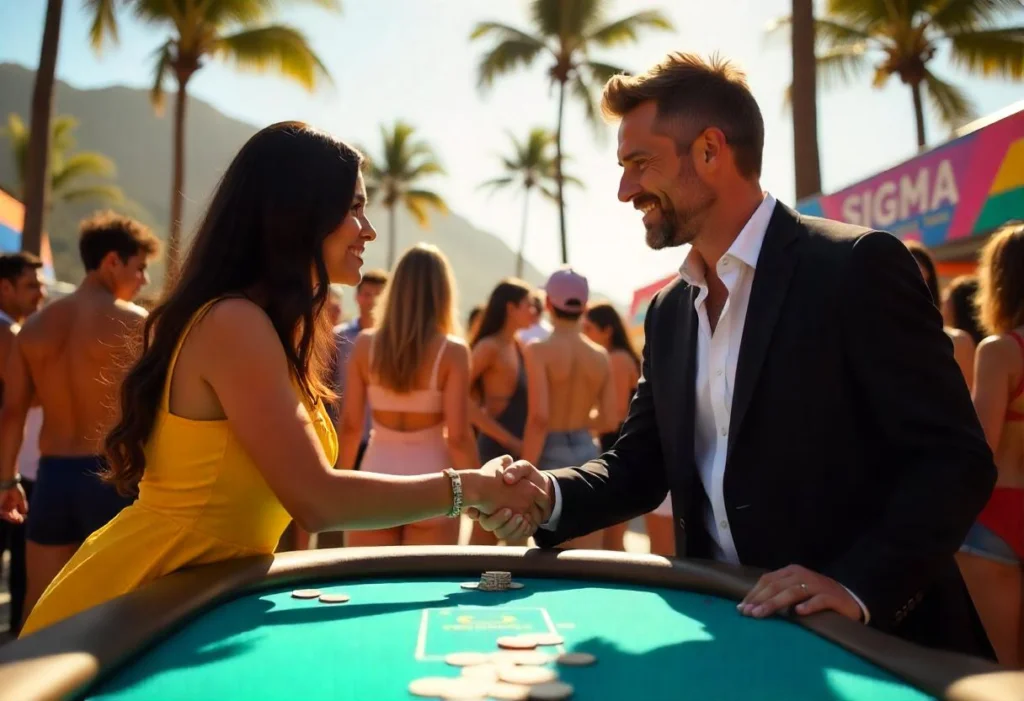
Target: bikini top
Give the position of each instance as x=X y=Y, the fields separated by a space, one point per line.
x=1011 y=413
x=417 y=401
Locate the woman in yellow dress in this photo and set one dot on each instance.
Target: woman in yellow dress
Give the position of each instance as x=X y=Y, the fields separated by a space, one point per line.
x=222 y=427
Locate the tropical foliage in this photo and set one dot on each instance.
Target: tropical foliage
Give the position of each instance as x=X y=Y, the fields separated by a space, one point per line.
x=73 y=176
x=395 y=178
x=563 y=34
x=236 y=31
x=531 y=165
x=902 y=40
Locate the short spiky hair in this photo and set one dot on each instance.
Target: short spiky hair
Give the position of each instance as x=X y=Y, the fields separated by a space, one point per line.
x=709 y=93
x=108 y=231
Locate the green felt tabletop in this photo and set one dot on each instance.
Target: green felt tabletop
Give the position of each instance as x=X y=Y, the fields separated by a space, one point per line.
x=650 y=644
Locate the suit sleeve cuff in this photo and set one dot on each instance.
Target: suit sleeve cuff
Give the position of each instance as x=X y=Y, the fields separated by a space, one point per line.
x=865 y=614
x=556 y=507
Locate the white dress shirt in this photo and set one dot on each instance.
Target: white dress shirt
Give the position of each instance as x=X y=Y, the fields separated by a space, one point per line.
x=717 y=354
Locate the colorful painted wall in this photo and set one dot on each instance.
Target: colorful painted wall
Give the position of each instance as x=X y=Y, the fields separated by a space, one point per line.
x=12 y=218
x=966 y=187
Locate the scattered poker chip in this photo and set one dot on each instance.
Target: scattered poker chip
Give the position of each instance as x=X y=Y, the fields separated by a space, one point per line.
x=467 y=659
x=503 y=691
x=430 y=687
x=486 y=672
x=449 y=688
x=576 y=659
x=306 y=594
x=470 y=585
x=527 y=675
x=334 y=598
x=551 y=691
x=517 y=642
x=548 y=639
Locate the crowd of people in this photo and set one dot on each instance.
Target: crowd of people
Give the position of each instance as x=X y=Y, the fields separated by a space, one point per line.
x=798 y=406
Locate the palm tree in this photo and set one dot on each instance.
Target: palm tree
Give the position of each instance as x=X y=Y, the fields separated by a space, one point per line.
x=66 y=169
x=531 y=165
x=232 y=30
x=901 y=39
x=36 y=182
x=564 y=32
x=394 y=176
x=806 y=160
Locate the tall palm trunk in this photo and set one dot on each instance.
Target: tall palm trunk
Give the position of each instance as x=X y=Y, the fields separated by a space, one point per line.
x=177 y=186
x=805 y=101
x=392 y=235
x=37 y=167
x=915 y=89
x=522 y=234
x=558 y=172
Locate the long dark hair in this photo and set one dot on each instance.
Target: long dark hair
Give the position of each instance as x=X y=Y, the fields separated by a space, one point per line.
x=960 y=296
x=288 y=188
x=507 y=292
x=931 y=276
x=604 y=316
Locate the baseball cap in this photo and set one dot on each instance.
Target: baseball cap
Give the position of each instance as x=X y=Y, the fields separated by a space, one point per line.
x=567 y=290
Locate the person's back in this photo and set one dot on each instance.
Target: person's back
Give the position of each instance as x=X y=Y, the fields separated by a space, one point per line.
x=569 y=377
x=411 y=375
x=74 y=350
x=69 y=359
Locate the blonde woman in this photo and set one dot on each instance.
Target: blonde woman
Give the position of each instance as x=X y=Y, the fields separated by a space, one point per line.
x=411 y=373
x=992 y=556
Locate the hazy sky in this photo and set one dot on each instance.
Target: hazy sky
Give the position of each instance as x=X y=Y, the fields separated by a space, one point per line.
x=411 y=59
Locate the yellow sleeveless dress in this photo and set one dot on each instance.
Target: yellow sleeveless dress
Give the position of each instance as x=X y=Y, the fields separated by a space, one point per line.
x=201 y=500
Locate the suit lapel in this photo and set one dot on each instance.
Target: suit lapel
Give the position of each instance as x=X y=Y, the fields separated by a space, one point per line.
x=684 y=349
x=775 y=266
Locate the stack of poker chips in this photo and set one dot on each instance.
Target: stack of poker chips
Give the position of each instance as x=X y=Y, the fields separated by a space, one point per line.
x=493 y=580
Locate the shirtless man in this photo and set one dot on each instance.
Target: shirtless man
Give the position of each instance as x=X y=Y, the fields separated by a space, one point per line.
x=569 y=377
x=71 y=357
x=21 y=293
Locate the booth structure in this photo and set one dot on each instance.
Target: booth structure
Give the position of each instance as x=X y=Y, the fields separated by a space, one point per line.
x=12 y=219
x=950 y=198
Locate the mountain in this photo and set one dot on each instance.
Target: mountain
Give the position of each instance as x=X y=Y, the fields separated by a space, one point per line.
x=120 y=122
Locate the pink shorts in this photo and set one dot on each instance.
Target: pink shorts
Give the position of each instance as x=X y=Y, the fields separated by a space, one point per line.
x=392 y=452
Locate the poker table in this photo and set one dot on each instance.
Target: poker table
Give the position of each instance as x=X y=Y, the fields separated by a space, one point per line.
x=657 y=628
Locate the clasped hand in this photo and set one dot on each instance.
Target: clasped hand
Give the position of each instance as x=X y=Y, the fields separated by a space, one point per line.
x=502 y=514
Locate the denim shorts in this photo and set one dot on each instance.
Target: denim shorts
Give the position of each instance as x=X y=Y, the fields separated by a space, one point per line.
x=567 y=449
x=984 y=542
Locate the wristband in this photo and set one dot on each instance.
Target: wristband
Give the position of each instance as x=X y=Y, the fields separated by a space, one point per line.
x=456 y=481
x=10 y=484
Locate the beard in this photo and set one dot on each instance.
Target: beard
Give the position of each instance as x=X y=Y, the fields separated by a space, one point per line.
x=680 y=224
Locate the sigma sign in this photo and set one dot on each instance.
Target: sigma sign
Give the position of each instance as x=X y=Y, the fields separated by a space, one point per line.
x=931 y=190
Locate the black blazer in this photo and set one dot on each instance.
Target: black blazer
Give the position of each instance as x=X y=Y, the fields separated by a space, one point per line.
x=854 y=448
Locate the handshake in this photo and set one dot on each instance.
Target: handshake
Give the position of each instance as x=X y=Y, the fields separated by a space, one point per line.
x=509 y=499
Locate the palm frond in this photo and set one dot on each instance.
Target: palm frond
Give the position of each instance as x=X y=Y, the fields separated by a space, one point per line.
x=160 y=73
x=104 y=193
x=626 y=30
x=424 y=168
x=279 y=47
x=950 y=103
x=566 y=18
x=418 y=201
x=966 y=15
x=61 y=137
x=828 y=33
x=497 y=183
x=16 y=133
x=603 y=72
x=868 y=15
x=990 y=52
x=841 y=64
x=224 y=13
x=80 y=165
x=584 y=94
x=506 y=57
x=104 y=22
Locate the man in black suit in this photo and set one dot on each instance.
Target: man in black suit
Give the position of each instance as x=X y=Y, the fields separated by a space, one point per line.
x=799 y=396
